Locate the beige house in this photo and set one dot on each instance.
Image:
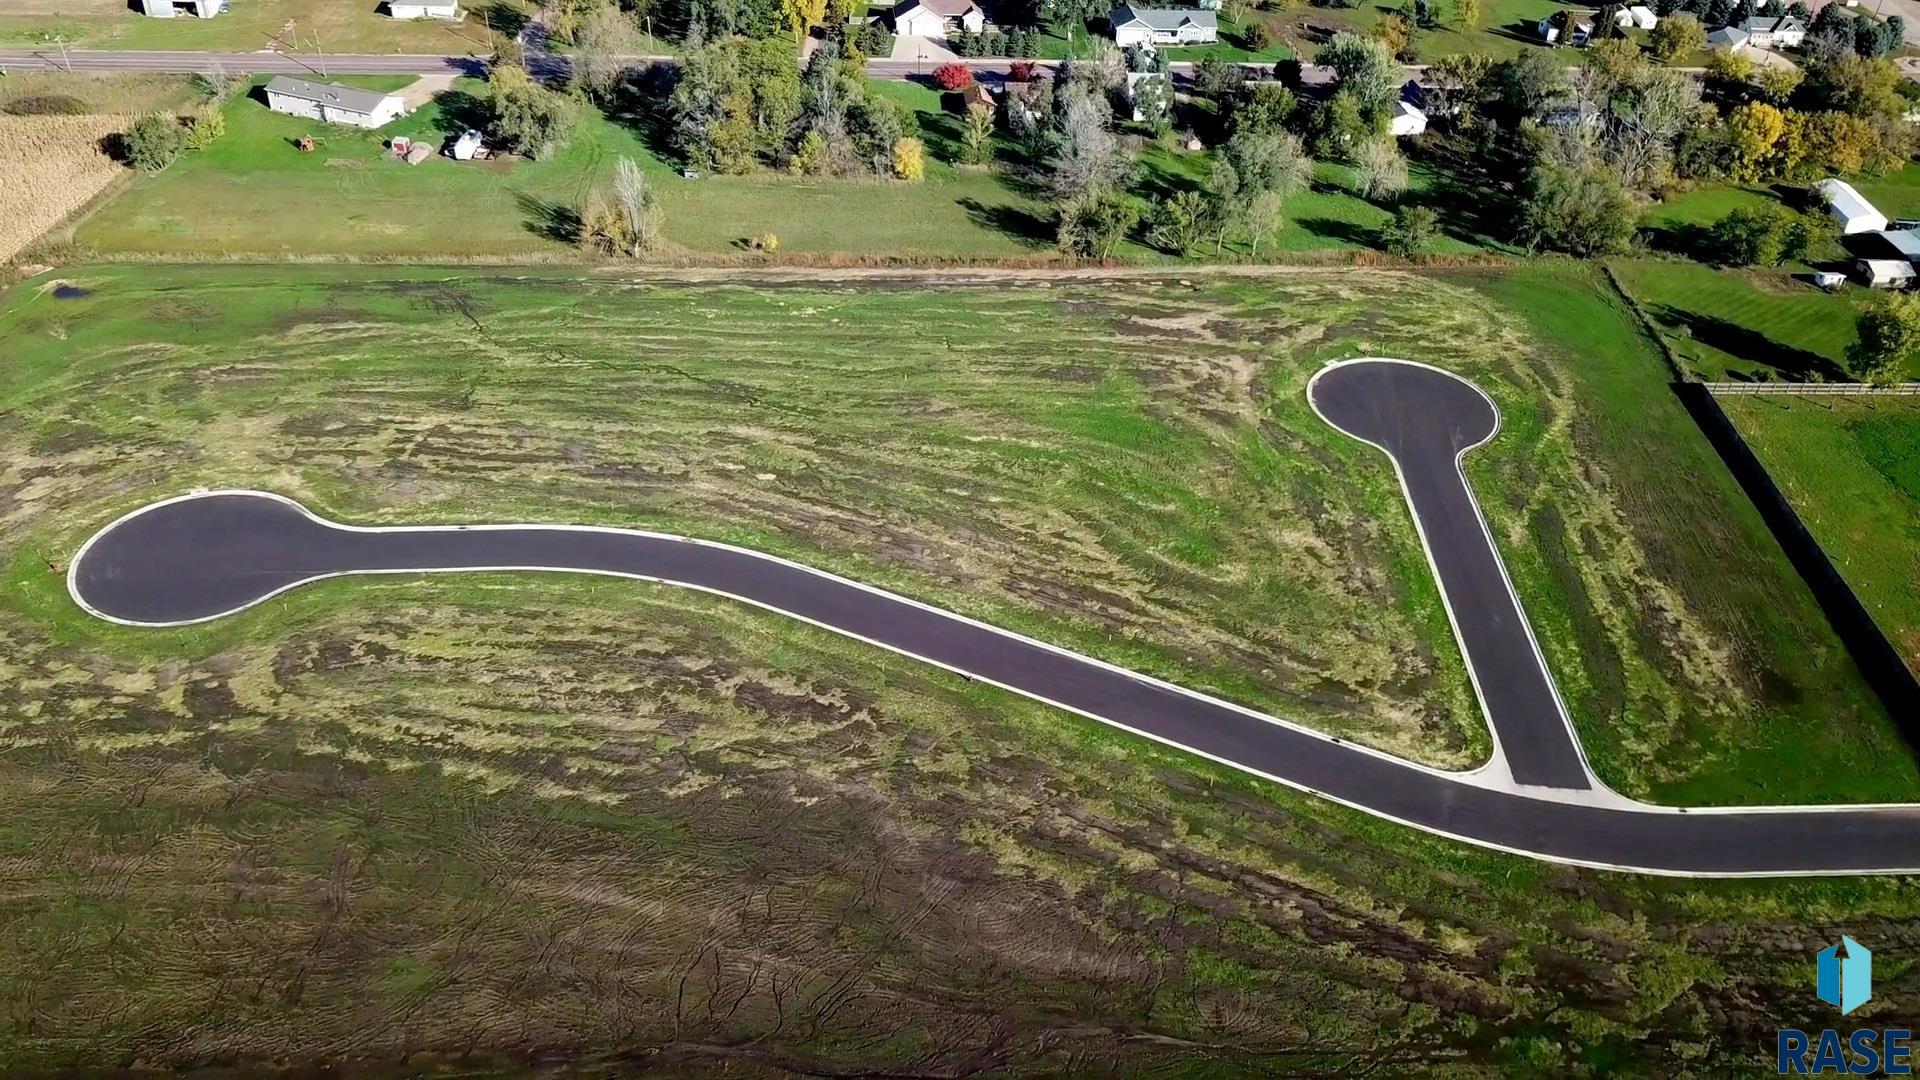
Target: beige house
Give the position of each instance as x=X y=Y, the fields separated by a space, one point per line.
x=937 y=18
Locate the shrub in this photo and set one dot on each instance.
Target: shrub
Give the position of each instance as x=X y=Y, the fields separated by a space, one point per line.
x=909 y=159
x=1258 y=36
x=154 y=142
x=207 y=127
x=1412 y=228
x=1022 y=71
x=953 y=76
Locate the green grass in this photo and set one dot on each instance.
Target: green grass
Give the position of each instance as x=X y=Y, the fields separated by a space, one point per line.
x=400 y=824
x=421 y=825
x=1679 y=527
x=1740 y=325
x=1851 y=469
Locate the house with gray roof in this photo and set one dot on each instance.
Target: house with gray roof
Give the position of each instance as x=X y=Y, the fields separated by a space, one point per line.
x=333 y=103
x=1163 y=26
x=1775 y=32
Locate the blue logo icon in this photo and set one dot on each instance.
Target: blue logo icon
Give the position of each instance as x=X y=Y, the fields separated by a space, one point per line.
x=1846 y=975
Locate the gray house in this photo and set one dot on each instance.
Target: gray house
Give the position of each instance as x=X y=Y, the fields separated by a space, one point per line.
x=198 y=9
x=332 y=102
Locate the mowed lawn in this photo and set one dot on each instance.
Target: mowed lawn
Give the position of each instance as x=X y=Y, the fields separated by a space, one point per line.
x=254 y=196
x=1851 y=469
x=294 y=26
x=253 y=193
x=1740 y=325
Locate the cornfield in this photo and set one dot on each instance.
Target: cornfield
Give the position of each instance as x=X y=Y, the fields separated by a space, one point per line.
x=49 y=167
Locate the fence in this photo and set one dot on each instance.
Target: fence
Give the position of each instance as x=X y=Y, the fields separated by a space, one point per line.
x=1836 y=389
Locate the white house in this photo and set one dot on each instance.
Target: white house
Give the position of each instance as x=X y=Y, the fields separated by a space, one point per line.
x=167 y=9
x=937 y=18
x=1885 y=273
x=1407 y=120
x=1565 y=26
x=1775 y=32
x=1855 y=214
x=424 y=9
x=332 y=102
x=1163 y=26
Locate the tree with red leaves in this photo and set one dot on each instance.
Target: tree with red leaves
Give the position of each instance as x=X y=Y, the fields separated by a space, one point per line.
x=953 y=76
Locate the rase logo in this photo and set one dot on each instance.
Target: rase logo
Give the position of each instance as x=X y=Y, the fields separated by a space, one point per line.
x=1844 y=979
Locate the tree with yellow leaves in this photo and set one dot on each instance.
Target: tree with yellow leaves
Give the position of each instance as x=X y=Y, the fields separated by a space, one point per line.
x=1753 y=130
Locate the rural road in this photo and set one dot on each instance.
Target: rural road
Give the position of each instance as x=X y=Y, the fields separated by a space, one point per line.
x=205 y=555
x=310 y=64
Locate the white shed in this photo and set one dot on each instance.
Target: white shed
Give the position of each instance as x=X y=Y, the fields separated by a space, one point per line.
x=466 y=146
x=1407 y=120
x=1855 y=214
x=332 y=102
x=1637 y=17
x=198 y=9
x=1829 y=279
x=1885 y=273
x=424 y=9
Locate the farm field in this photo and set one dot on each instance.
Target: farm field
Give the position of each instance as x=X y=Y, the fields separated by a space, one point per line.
x=501 y=811
x=285 y=25
x=1851 y=469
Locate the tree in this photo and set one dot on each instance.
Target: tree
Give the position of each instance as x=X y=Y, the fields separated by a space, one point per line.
x=604 y=37
x=154 y=141
x=1395 y=32
x=528 y=118
x=1217 y=79
x=1263 y=218
x=1889 y=331
x=801 y=16
x=1087 y=159
x=1728 y=67
x=1367 y=70
x=1761 y=235
x=1412 y=229
x=1180 y=222
x=1675 y=36
x=909 y=159
x=1094 y=226
x=1581 y=209
x=1531 y=83
x=978 y=134
x=639 y=205
x=1339 y=126
x=1378 y=169
x=1466 y=13
x=1853 y=84
x=1262 y=107
x=736 y=104
x=1777 y=84
x=953 y=77
x=1153 y=101
x=1460 y=86
x=1753 y=129
x=206 y=127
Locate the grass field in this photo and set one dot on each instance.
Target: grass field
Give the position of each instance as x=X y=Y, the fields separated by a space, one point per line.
x=1851 y=468
x=462 y=818
x=1742 y=325
x=252 y=195
x=295 y=26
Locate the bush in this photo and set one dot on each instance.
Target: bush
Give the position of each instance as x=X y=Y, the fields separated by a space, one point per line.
x=1258 y=37
x=873 y=40
x=153 y=143
x=1412 y=228
x=953 y=76
x=1022 y=71
x=909 y=159
x=207 y=127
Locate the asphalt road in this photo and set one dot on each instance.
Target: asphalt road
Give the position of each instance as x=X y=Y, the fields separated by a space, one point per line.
x=312 y=64
x=203 y=556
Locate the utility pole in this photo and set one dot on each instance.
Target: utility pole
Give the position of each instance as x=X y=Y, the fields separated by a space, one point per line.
x=65 y=62
x=321 y=52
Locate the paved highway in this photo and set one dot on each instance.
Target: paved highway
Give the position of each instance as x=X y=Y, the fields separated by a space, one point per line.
x=206 y=555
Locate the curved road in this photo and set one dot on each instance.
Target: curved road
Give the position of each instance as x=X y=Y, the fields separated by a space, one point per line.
x=202 y=556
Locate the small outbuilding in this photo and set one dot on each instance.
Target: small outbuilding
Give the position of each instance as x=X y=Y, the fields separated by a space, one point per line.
x=1828 y=279
x=1636 y=17
x=1854 y=213
x=1406 y=120
x=193 y=9
x=423 y=9
x=1566 y=28
x=333 y=103
x=1885 y=273
x=1163 y=26
x=467 y=147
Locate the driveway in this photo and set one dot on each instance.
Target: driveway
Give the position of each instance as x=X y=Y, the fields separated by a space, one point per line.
x=927 y=50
